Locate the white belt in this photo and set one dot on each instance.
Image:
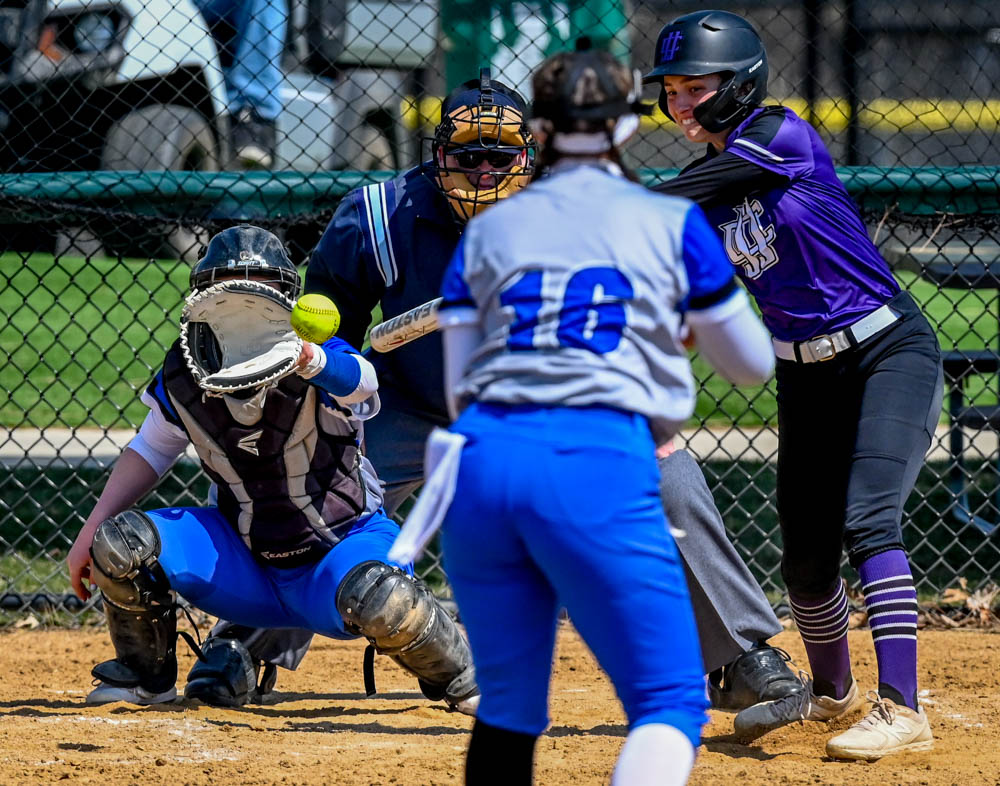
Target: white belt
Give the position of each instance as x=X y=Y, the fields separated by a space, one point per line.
x=442 y=457
x=827 y=346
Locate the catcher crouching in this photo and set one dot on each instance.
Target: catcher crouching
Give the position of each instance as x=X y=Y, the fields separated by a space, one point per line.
x=296 y=536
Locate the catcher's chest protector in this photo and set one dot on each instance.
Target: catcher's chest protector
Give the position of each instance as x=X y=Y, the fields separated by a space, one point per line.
x=288 y=471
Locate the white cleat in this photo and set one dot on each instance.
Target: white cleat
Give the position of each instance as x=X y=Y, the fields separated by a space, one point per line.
x=758 y=720
x=887 y=728
x=467 y=706
x=106 y=694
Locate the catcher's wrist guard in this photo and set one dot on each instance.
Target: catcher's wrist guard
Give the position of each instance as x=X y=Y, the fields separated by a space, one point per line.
x=314 y=366
x=236 y=335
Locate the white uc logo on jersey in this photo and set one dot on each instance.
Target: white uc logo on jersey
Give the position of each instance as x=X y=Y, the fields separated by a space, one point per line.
x=748 y=242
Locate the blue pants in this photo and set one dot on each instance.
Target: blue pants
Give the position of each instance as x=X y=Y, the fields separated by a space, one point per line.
x=208 y=563
x=251 y=47
x=560 y=507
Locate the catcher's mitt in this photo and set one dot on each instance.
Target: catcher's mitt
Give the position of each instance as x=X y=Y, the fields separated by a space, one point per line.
x=236 y=335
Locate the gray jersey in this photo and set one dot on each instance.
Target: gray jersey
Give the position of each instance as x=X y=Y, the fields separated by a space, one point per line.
x=580 y=284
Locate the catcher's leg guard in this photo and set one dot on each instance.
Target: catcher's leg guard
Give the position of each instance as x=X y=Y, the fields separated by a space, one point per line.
x=403 y=620
x=138 y=603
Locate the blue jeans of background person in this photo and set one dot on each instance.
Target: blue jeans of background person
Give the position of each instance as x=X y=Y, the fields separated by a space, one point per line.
x=560 y=507
x=251 y=37
x=208 y=563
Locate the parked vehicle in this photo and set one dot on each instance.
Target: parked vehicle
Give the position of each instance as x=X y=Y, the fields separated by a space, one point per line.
x=136 y=84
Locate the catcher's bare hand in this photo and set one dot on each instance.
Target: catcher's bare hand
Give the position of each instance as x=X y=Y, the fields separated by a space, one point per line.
x=78 y=561
x=305 y=356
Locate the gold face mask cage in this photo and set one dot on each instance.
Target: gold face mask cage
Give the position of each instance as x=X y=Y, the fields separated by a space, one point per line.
x=486 y=126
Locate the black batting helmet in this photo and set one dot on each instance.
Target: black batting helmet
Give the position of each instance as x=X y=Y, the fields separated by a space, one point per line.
x=487 y=117
x=711 y=42
x=246 y=251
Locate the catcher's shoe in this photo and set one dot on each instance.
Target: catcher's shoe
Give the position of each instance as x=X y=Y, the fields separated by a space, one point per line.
x=759 y=674
x=887 y=728
x=226 y=675
x=467 y=706
x=758 y=720
x=105 y=694
x=116 y=681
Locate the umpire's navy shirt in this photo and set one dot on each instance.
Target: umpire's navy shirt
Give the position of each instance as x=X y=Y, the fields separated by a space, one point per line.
x=390 y=242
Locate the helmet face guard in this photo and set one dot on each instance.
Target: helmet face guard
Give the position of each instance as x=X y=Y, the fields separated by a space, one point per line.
x=250 y=253
x=713 y=42
x=481 y=121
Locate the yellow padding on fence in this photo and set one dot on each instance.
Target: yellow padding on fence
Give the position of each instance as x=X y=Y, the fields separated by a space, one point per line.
x=830 y=114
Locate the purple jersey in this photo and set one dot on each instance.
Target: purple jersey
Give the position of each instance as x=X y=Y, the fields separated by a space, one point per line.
x=801 y=248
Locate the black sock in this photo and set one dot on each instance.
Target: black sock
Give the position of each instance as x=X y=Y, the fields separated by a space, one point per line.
x=888 y=692
x=497 y=756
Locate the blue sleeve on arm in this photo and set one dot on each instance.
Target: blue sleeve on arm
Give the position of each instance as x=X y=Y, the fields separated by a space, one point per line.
x=340 y=376
x=709 y=271
x=337 y=344
x=158 y=391
x=342 y=372
x=343 y=269
x=454 y=290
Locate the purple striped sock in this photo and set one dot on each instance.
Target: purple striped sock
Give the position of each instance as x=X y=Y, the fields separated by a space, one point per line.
x=891 y=601
x=823 y=626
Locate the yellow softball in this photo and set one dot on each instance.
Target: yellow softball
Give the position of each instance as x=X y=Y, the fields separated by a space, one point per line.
x=315 y=318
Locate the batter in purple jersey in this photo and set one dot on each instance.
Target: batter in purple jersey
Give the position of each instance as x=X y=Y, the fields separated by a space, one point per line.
x=858 y=374
x=832 y=274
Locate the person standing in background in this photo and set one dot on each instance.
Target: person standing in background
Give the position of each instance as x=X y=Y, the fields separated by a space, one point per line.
x=250 y=35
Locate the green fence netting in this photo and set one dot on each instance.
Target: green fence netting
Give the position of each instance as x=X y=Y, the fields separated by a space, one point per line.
x=130 y=130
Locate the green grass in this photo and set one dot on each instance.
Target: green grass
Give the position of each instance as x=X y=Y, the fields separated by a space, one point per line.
x=940 y=547
x=43 y=509
x=80 y=338
x=964 y=319
x=25 y=572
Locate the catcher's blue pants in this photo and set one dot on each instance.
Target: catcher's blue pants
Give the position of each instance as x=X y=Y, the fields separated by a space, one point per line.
x=208 y=563
x=560 y=507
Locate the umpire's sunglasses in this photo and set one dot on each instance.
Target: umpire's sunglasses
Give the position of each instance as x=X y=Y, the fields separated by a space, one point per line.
x=471 y=159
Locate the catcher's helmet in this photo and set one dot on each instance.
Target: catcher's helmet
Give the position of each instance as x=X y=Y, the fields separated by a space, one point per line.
x=483 y=119
x=587 y=96
x=248 y=252
x=711 y=42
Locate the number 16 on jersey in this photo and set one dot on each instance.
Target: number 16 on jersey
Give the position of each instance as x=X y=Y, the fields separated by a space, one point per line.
x=591 y=312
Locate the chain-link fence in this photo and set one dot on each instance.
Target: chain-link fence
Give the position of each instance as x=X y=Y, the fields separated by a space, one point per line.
x=310 y=95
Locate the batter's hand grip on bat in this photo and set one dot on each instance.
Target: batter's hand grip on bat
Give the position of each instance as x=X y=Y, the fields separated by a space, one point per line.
x=405 y=327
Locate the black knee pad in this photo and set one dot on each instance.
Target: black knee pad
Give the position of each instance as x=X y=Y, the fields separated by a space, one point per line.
x=125 y=554
x=403 y=619
x=138 y=604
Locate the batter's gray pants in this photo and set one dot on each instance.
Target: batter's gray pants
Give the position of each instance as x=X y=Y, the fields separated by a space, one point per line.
x=730 y=608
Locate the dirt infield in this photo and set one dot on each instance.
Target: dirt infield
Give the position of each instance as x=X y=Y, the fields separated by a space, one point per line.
x=320 y=729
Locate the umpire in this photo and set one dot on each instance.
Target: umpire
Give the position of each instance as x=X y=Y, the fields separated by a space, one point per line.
x=389 y=244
